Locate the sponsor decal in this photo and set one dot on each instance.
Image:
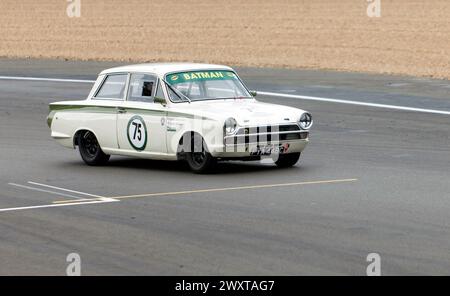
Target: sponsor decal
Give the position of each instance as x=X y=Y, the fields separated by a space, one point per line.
x=137 y=133
x=200 y=76
x=173 y=124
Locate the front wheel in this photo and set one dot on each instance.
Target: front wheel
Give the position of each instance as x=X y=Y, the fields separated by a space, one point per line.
x=287 y=160
x=200 y=160
x=90 y=149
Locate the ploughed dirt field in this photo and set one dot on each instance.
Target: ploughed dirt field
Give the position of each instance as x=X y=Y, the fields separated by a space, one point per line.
x=411 y=37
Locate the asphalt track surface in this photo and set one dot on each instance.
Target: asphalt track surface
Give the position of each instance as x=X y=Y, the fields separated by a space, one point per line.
x=371 y=180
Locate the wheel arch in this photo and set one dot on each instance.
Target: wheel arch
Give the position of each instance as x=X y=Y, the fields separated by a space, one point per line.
x=78 y=132
x=182 y=145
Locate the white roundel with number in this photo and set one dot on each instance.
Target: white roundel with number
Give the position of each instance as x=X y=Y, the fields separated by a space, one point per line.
x=137 y=133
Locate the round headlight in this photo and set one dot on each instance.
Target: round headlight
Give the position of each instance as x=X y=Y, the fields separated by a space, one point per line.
x=306 y=120
x=230 y=126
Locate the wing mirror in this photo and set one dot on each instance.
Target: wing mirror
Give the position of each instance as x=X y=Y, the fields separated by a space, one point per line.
x=161 y=101
x=254 y=93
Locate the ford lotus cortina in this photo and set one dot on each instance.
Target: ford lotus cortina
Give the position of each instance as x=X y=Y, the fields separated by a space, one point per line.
x=198 y=113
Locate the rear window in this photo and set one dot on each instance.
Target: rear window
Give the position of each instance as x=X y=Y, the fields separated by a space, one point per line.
x=113 y=87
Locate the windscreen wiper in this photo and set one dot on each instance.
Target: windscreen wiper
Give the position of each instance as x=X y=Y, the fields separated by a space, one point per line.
x=235 y=98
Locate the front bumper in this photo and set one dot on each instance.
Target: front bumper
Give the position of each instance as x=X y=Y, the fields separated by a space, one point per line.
x=262 y=140
x=250 y=149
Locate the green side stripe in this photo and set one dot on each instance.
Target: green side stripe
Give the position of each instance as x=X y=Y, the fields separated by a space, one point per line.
x=82 y=108
x=112 y=110
x=146 y=111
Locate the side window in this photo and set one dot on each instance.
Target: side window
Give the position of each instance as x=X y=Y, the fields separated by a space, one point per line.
x=113 y=87
x=142 y=88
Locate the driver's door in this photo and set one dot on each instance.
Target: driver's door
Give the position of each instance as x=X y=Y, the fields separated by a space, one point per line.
x=140 y=121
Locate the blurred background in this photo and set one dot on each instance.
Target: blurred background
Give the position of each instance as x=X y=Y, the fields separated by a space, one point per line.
x=409 y=37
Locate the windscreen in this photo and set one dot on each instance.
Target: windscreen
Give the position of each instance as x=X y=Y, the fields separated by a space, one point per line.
x=207 y=85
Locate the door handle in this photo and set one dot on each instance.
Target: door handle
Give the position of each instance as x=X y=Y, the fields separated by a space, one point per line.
x=121 y=110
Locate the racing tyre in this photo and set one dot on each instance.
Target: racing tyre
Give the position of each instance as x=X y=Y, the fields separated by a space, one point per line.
x=200 y=161
x=90 y=150
x=287 y=160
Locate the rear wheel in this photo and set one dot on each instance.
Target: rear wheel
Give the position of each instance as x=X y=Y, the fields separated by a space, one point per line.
x=287 y=160
x=90 y=149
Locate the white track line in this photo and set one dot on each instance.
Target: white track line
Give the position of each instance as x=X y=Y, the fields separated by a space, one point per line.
x=56 y=205
x=300 y=97
x=64 y=189
x=43 y=190
x=73 y=191
x=394 y=107
x=45 y=79
x=116 y=199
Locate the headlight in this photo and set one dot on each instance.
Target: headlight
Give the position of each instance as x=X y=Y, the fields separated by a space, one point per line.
x=230 y=126
x=306 y=120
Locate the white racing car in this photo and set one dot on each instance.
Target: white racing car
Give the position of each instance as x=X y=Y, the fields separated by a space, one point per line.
x=178 y=111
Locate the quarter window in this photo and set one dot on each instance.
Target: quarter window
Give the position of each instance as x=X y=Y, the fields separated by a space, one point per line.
x=113 y=87
x=142 y=88
x=159 y=92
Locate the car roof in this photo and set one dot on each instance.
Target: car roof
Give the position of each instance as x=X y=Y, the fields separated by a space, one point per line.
x=162 y=69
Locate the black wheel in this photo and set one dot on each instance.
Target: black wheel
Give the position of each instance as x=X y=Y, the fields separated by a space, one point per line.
x=199 y=159
x=90 y=150
x=287 y=160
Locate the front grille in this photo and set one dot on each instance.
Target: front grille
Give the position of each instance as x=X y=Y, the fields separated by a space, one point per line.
x=266 y=134
x=268 y=129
